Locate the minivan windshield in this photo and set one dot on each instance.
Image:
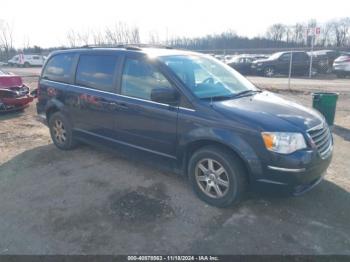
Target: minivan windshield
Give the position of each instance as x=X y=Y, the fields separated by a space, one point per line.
x=208 y=78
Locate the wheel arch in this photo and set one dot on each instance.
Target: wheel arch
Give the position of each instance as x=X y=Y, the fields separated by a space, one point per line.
x=52 y=107
x=193 y=146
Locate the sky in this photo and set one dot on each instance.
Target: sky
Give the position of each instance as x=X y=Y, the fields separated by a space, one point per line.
x=46 y=22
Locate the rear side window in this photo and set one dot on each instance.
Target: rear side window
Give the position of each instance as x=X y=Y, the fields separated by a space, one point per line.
x=96 y=71
x=59 y=68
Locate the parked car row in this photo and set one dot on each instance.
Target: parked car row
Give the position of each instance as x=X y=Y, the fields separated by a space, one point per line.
x=243 y=63
x=323 y=61
x=279 y=63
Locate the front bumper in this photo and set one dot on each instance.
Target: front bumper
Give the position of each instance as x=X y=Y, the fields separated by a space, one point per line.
x=341 y=68
x=41 y=116
x=296 y=180
x=339 y=71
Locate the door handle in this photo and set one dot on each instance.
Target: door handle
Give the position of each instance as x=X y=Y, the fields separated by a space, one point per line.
x=114 y=105
x=108 y=103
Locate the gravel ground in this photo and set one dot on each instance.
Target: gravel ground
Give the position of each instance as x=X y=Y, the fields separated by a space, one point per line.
x=96 y=201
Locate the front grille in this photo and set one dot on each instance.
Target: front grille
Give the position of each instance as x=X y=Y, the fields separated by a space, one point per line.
x=322 y=138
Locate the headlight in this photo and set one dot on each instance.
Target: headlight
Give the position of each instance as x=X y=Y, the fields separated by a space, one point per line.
x=283 y=143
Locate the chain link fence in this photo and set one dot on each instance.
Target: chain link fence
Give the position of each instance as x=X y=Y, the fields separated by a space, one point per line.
x=281 y=62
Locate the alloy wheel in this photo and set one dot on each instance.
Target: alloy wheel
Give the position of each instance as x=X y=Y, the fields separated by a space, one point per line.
x=212 y=178
x=269 y=72
x=59 y=132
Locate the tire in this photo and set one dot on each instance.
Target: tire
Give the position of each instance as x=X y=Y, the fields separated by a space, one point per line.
x=61 y=131
x=26 y=64
x=233 y=174
x=269 y=71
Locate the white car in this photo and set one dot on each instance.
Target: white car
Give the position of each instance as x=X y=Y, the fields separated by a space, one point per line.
x=341 y=66
x=28 y=60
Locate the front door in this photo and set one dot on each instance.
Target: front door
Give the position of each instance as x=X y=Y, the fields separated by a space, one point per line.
x=284 y=63
x=142 y=122
x=300 y=63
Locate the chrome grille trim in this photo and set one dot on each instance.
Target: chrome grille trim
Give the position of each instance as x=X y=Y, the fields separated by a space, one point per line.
x=322 y=139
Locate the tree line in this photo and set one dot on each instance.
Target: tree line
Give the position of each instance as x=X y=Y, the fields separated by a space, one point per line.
x=334 y=33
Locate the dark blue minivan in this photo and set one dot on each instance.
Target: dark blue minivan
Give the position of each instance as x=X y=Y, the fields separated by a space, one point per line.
x=221 y=131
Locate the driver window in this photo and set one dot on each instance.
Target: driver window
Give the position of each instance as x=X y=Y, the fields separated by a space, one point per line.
x=139 y=78
x=285 y=57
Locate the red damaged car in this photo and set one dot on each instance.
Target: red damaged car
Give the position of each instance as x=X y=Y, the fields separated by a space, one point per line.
x=14 y=95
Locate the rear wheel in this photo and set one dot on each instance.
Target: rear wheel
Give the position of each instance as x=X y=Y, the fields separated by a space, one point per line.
x=217 y=176
x=61 y=131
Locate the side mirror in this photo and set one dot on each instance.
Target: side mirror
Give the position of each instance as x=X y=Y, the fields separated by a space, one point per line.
x=165 y=95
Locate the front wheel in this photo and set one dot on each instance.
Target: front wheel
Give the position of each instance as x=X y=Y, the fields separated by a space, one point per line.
x=269 y=71
x=61 y=131
x=217 y=176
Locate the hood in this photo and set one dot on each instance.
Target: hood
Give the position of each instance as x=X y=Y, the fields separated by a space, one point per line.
x=10 y=81
x=344 y=58
x=269 y=112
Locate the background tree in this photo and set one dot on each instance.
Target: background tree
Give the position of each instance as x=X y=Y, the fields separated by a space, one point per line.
x=276 y=32
x=6 y=38
x=326 y=35
x=84 y=37
x=72 y=38
x=298 y=33
x=121 y=33
x=153 y=38
x=341 y=31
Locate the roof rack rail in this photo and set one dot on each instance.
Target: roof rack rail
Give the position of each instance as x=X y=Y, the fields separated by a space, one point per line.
x=129 y=46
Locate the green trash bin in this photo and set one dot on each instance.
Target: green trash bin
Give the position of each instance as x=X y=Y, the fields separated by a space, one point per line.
x=325 y=103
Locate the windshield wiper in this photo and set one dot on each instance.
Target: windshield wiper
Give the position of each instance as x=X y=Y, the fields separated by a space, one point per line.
x=226 y=97
x=246 y=92
x=223 y=97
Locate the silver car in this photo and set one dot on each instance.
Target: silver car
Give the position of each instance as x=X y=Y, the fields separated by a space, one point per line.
x=341 y=66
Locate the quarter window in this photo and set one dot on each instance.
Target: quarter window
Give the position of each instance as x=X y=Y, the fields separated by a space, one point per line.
x=59 y=68
x=96 y=71
x=140 y=78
